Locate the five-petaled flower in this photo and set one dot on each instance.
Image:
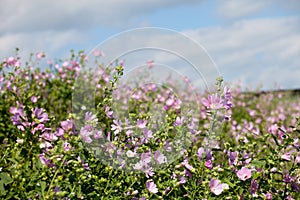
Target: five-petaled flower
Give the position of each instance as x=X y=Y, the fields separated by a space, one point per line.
x=151 y=186
x=217 y=187
x=244 y=173
x=116 y=127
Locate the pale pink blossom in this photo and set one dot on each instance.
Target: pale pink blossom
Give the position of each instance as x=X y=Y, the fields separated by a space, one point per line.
x=150 y=63
x=116 y=127
x=151 y=187
x=208 y=164
x=269 y=196
x=33 y=99
x=286 y=156
x=217 y=187
x=40 y=55
x=244 y=173
x=141 y=123
x=66 y=146
x=159 y=157
x=98 y=53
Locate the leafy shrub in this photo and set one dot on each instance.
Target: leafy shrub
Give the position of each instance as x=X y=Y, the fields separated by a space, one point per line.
x=234 y=145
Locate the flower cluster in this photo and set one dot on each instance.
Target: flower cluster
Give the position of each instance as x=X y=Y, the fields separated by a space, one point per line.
x=140 y=140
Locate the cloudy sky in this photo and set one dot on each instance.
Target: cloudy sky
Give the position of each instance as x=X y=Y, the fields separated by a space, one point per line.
x=254 y=42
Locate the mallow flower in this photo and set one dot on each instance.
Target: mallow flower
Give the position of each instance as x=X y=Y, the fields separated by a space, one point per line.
x=217 y=187
x=151 y=187
x=244 y=173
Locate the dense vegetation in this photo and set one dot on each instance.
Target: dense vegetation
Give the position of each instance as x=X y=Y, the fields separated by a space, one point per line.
x=142 y=142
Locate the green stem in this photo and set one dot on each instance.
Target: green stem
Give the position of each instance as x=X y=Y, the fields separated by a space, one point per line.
x=72 y=190
x=109 y=176
x=4 y=154
x=56 y=175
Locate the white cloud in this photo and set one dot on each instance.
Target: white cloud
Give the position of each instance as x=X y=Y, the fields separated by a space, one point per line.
x=53 y=42
x=31 y=15
x=257 y=51
x=250 y=49
x=56 y=25
x=236 y=9
x=165 y=47
x=240 y=8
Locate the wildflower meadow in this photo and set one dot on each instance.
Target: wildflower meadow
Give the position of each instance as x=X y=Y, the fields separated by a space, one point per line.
x=142 y=140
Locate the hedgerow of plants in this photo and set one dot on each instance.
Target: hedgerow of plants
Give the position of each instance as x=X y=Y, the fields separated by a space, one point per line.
x=142 y=141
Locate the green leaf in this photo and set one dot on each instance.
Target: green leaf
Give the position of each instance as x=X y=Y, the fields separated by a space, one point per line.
x=2 y=189
x=231 y=185
x=5 y=178
x=256 y=175
x=258 y=163
x=43 y=185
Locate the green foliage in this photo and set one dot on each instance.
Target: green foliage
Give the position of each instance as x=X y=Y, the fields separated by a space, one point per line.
x=263 y=132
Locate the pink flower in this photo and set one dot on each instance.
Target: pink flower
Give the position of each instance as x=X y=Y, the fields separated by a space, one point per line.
x=46 y=145
x=213 y=102
x=86 y=132
x=159 y=157
x=178 y=121
x=33 y=99
x=217 y=187
x=98 y=53
x=167 y=190
x=59 y=132
x=227 y=101
x=151 y=187
x=98 y=134
x=287 y=178
x=147 y=170
x=66 y=146
x=12 y=62
x=13 y=110
x=44 y=160
x=208 y=164
x=253 y=187
x=295 y=186
x=147 y=134
x=65 y=64
x=182 y=180
x=116 y=127
x=90 y=117
x=46 y=135
x=67 y=125
x=286 y=156
x=268 y=196
x=273 y=129
x=40 y=55
x=39 y=114
x=108 y=112
x=188 y=173
x=141 y=123
x=244 y=173
x=150 y=64
x=169 y=102
x=227 y=93
x=232 y=158
x=186 y=164
x=296 y=142
x=146 y=157
x=200 y=153
x=139 y=165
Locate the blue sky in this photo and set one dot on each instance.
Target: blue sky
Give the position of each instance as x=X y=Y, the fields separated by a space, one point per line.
x=254 y=42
